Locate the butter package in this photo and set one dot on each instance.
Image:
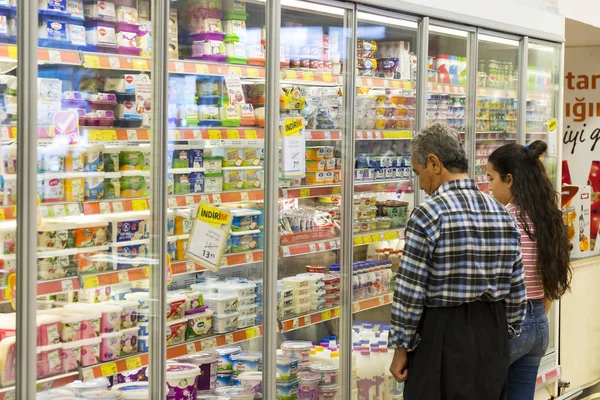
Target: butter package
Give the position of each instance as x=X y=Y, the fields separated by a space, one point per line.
x=92 y=236
x=196 y=158
x=127 y=14
x=213 y=164
x=253 y=179
x=232 y=158
x=112 y=188
x=251 y=157
x=55 y=239
x=73 y=7
x=56 y=267
x=94 y=188
x=126 y=231
x=233 y=180
x=196 y=182
x=213 y=182
x=133 y=186
x=183 y=225
x=181 y=184
x=245 y=241
x=101 y=35
x=127 y=39
x=74 y=189
x=75 y=161
x=99 y=9
x=180 y=159
x=91 y=263
x=132 y=161
x=111 y=160
x=59 y=31
x=132 y=256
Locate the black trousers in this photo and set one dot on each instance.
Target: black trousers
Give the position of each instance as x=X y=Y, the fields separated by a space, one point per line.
x=463 y=354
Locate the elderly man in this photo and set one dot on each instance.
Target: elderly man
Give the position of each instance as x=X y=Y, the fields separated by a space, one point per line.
x=460 y=290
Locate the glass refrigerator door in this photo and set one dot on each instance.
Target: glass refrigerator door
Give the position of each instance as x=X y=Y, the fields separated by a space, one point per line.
x=384 y=120
x=496 y=112
x=313 y=49
x=447 y=77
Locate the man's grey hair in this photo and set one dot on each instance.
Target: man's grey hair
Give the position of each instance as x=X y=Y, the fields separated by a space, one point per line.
x=443 y=142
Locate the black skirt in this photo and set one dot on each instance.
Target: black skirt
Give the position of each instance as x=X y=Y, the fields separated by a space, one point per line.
x=463 y=354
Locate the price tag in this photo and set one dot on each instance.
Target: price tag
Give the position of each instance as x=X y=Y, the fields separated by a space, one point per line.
x=214 y=134
x=179 y=68
x=216 y=198
x=235 y=70
x=105 y=208
x=367 y=239
x=117 y=206
x=189 y=201
x=90 y=282
x=197 y=134
x=358 y=241
x=172 y=202
x=132 y=135
x=87 y=374
x=295 y=323
x=396 y=84
x=381 y=300
x=114 y=62
x=109 y=135
x=327 y=135
x=54 y=56
x=322 y=246
x=308 y=76
x=391 y=235
x=190 y=267
x=140 y=65
x=249 y=258
x=325 y=315
x=251 y=134
x=67 y=286
x=376 y=238
x=304 y=192
x=205 y=198
x=133 y=363
x=327 y=77
x=252 y=333
x=306 y=320
x=229 y=339
x=333 y=244
x=356 y=307
x=377 y=135
x=44 y=211
x=336 y=190
x=139 y=205
x=286 y=251
x=59 y=211
x=244 y=196
x=90 y=61
x=190 y=348
x=209 y=344
x=123 y=277
x=12 y=52
x=109 y=369
x=73 y=209
x=224 y=261
x=202 y=69
x=291 y=75
x=252 y=73
x=233 y=134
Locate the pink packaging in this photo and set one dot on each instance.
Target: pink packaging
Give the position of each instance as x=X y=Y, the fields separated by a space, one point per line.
x=90 y=351
x=129 y=315
x=48 y=329
x=49 y=361
x=8 y=325
x=71 y=356
x=111 y=318
x=110 y=346
x=8 y=373
x=90 y=326
x=70 y=327
x=129 y=339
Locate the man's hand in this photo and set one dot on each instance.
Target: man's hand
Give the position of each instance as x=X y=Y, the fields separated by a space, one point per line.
x=399 y=365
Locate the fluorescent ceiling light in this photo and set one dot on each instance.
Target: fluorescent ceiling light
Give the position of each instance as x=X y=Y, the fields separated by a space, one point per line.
x=540 y=47
x=312 y=7
x=448 y=31
x=498 y=40
x=386 y=20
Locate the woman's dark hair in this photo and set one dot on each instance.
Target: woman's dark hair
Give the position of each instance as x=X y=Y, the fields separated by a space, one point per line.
x=533 y=193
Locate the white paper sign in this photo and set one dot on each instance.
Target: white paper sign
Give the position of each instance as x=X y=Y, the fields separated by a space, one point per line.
x=209 y=236
x=293 y=148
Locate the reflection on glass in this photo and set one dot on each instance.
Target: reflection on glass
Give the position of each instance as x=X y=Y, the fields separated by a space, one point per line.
x=496 y=112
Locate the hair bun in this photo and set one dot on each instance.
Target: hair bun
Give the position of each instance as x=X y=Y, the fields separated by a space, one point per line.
x=536 y=149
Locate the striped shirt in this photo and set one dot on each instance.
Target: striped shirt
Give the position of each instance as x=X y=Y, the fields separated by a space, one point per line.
x=461 y=246
x=533 y=281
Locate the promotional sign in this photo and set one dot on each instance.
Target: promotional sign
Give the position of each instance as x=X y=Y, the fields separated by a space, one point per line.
x=581 y=129
x=209 y=236
x=66 y=125
x=293 y=148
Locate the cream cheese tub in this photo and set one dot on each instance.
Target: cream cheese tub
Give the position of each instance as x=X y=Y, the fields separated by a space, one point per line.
x=132 y=390
x=181 y=381
x=208 y=362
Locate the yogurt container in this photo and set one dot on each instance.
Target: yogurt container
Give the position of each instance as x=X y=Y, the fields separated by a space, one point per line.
x=181 y=381
x=143 y=343
x=210 y=397
x=287 y=390
x=79 y=387
x=221 y=303
x=251 y=380
x=235 y=393
x=71 y=356
x=287 y=367
x=176 y=307
x=246 y=361
x=199 y=322
x=328 y=373
x=207 y=361
x=132 y=390
x=309 y=382
x=238 y=289
x=102 y=395
x=129 y=338
x=327 y=392
x=246 y=320
x=54 y=394
x=111 y=317
x=224 y=379
x=133 y=375
x=176 y=332
x=225 y=362
x=49 y=360
x=223 y=323
x=110 y=346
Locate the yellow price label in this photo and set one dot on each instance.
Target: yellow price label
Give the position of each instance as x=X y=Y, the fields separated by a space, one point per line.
x=233 y=134
x=139 y=205
x=236 y=70
x=109 y=369
x=2 y=214
x=214 y=134
x=337 y=312
x=308 y=76
x=391 y=235
x=251 y=333
x=376 y=237
x=358 y=241
x=12 y=52
x=90 y=282
x=367 y=239
x=133 y=363
x=95 y=135
x=304 y=192
x=291 y=75
x=252 y=73
x=109 y=135
x=325 y=315
x=202 y=69
x=177 y=134
x=388 y=135
x=139 y=64
x=406 y=135
x=396 y=84
x=90 y=61
x=327 y=77
x=336 y=190
x=251 y=134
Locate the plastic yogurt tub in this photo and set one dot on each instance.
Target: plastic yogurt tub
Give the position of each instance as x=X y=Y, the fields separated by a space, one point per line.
x=287 y=367
x=309 y=382
x=133 y=375
x=235 y=393
x=54 y=394
x=79 y=387
x=327 y=392
x=110 y=347
x=210 y=397
x=207 y=361
x=224 y=323
x=297 y=348
x=251 y=380
x=102 y=395
x=225 y=362
x=132 y=390
x=328 y=373
x=221 y=303
x=287 y=390
x=224 y=379
x=246 y=361
x=181 y=381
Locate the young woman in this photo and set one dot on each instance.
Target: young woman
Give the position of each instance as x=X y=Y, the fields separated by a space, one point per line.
x=518 y=180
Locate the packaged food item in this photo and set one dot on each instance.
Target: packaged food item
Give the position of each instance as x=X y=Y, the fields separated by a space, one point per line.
x=251 y=380
x=181 y=381
x=128 y=343
x=49 y=360
x=90 y=351
x=199 y=322
x=213 y=182
x=176 y=305
x=92 y=236
x=287 y=368
x=315 y=153
x=315 y=166
x=94 y=188
x=132 y=186
x=246 y=320
x=100 y=9
x=244 y=220
x=112 y=188
x=315 y=178
x=133 y=161
x=132 y=390
x=298 y=349
x=110 y=346
x=225 y=361
x=221 y=303
x=246 y=361
x=207 y=362
x=328 y=373
x=176 y=332
x=245 y=241
x=233 y=180
x=287 y=390
x=209 y=50
x=101 y=34
x=213 y=164
x=235 y=392
x=224 y=323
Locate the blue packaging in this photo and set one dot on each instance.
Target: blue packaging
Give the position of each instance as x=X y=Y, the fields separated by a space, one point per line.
x=131 y=252
x=246 y=361
x=224 y=380
x=94 y=188
x=245 y=241
x=143 y=343
x=126 y=231
x=244 y=220
x=196 y=158
x=287 y=390
x=225 y=362
x=196 y=180
x=172 y=250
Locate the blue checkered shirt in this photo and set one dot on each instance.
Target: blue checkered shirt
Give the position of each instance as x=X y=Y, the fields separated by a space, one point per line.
x=461 y=246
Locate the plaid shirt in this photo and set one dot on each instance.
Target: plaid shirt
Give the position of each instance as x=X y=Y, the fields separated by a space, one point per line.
x=461 y=246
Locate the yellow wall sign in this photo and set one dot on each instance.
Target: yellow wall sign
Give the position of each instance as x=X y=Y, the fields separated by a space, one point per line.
x=209 y=236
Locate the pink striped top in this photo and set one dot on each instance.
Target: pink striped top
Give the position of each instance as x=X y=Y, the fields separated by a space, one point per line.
x=533 y=281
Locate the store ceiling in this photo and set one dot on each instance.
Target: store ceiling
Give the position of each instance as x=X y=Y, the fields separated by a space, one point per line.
x=579 y=34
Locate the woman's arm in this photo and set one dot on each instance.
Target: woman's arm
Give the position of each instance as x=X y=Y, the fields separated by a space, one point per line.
x=547 y=304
